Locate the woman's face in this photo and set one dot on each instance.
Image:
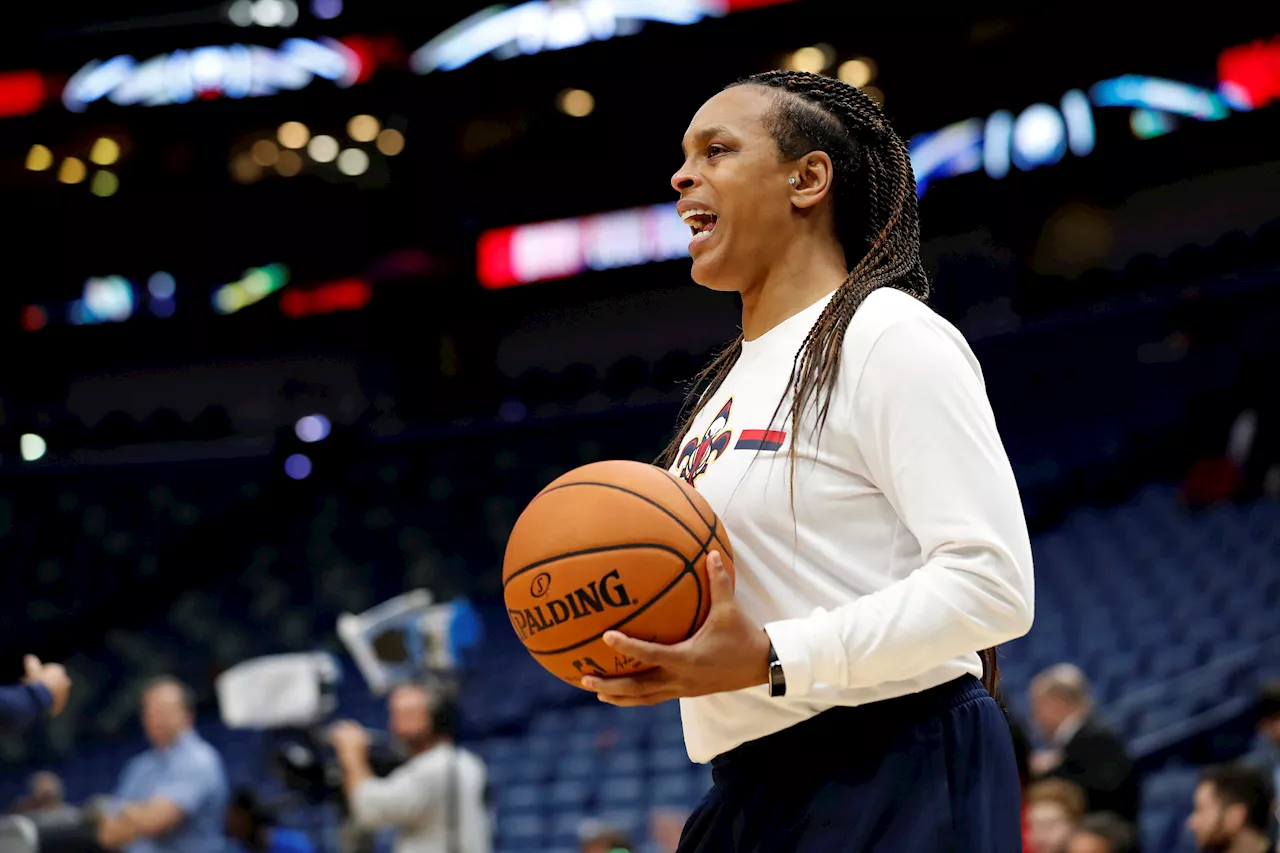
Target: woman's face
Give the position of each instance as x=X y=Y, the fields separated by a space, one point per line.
x=1049 y=827
x=733 y=189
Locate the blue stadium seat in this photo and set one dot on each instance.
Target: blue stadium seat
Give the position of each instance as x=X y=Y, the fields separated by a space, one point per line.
x=673 y=789
x=570 y=794
x=663 y=759
x=564 y=828
x=521 y=797
x=521 y=829
x=625 y=763
x=579 y=765
x=629 y=820
x=622 y=791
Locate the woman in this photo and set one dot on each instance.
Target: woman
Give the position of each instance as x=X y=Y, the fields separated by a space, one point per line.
x=846 y=441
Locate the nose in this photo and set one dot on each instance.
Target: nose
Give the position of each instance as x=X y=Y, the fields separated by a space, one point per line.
x=684 y=179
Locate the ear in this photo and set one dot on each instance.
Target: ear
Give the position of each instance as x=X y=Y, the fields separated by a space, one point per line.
x=1235 y=816
x=814 y=175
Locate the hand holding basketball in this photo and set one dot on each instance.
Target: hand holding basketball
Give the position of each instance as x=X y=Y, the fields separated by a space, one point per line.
x=729 y=652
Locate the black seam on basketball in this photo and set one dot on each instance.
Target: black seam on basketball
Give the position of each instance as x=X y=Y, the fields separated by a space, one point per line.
x=648 y=500
x=599 y=549
x=711 y=525
x=692 y=503
x=688 y=569
x=693 y=626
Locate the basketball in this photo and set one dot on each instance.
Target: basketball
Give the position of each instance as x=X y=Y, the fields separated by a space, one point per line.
x=613 y=545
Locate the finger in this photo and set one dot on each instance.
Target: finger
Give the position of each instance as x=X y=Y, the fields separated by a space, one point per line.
x=629 y=685
x=638 y=701
x=651 y=653
x=721 y=580
x=32 y=665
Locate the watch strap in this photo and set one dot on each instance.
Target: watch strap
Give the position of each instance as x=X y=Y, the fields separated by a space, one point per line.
x=777 y=678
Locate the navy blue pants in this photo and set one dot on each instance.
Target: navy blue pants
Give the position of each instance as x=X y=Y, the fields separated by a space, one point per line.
x=925 y=773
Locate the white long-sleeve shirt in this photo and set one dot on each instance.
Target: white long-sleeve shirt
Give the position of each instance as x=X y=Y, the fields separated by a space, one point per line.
x=907 y=550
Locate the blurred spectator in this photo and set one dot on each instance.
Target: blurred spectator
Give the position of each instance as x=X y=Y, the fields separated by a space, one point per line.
x=1082 y=750
x=1232 y=810
x=1266 y=755
x=438 y=799
x=44 y=688
x=46 y=798
x=1021 y=755
x=251 y=826
x=173 y=797
x=665 y=827
x=1021 y=750
x=1104 y=832
x=596 y=837
x=1053 y=809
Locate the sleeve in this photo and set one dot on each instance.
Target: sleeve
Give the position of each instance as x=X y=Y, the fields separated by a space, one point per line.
x=398 y=799
x=923 y=424
x=21 y=704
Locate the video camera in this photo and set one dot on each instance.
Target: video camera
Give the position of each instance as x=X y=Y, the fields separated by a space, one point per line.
x=409 y=638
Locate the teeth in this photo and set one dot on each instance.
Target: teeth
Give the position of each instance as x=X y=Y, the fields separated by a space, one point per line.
x=688 y=214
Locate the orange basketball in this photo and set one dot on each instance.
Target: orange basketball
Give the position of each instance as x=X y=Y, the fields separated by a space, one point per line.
x=611 y=545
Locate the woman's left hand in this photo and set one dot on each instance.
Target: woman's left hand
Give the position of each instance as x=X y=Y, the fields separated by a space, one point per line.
x=729 y=652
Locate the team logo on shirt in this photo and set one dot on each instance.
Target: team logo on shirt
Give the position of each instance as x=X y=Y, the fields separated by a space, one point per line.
x=699 y=453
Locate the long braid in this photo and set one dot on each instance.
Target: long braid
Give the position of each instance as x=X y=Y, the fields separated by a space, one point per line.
x=877 y=223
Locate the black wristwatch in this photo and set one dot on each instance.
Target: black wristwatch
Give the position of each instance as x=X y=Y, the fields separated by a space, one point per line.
x=777 y=678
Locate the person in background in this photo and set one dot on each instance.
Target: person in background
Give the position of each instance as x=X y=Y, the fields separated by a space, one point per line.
x=599 y=838
x=45 y=687
x=1083 y=750
x=1266 y=754
x=665 y=826
x=1232 y=810
x=1053 y=809
x=45 y=797
x=438 y=799
x=173 y=797
x=251 y=826
x=1104 y=832
x=1022 y=756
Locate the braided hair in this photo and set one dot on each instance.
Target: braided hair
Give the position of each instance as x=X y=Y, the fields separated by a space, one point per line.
x=876 y=223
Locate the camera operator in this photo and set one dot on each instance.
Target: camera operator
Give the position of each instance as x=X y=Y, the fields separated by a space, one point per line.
x=438 y=799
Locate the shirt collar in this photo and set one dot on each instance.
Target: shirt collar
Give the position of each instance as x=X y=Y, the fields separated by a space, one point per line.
x=181 y=740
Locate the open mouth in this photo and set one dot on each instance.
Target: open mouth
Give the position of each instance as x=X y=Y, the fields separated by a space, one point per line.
x=700 y=221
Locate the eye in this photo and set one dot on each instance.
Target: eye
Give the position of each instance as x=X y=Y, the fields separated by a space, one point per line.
x=715 y=148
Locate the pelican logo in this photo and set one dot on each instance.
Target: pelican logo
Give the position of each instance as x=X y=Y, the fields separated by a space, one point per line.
x=699 y=453
x=540 y=585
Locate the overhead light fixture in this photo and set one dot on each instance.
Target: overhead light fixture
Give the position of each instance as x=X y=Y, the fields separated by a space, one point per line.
x=39 y=158
x=72 y=171
x=293 y=134
x=390 y=142
x=576 y=102
x=31 y=446
x=363 y=128
x=104 y=183
x=105 y=151
x=323 y=148
x=353 y=162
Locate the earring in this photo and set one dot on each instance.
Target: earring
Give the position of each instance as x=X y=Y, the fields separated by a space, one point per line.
x=792 y=181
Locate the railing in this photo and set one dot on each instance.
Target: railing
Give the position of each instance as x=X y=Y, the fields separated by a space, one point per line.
x=1236 y=661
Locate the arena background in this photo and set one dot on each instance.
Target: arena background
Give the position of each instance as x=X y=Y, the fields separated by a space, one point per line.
x=188 y=301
